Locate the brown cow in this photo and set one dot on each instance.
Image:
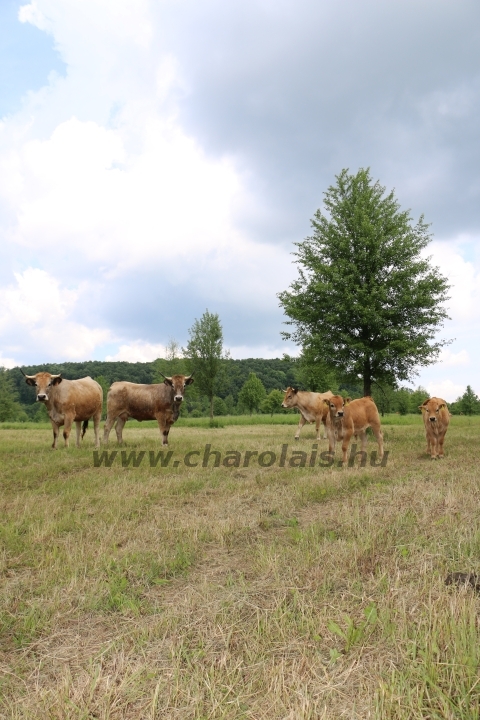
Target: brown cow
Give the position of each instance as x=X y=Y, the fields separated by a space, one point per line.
x=435 y=418
x=160 y=402
x=311 y=406
x=69 y=401
x=347 y=418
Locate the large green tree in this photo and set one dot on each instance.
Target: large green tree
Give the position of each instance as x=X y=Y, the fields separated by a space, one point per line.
x=205 y=355
x=367 y=300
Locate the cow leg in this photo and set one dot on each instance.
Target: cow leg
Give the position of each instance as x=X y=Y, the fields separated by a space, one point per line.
x=55 y=429
x=96 y=426
x=377 y=431
x=325 y=435
x=331 y=438
x=119 y=425
x=108 y=426
x=66 y=430
x=301 y=423
x=78 y=427
x=347 y=434
x=441 y=440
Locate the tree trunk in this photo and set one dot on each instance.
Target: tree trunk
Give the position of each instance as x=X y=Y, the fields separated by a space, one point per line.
x=367 y=377
x=211 y=408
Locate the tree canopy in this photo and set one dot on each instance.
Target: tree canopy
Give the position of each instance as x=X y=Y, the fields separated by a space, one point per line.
x=205 y=355
x=367 y=301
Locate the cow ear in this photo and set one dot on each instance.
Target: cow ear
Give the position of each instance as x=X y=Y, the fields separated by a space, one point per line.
x=30 y=380
x=422 y=407
x=57 y=379
x=326 y=402
x=189 y=380
x=295 y=390
x=347 y=400
x=168 y=381
x=442 y=406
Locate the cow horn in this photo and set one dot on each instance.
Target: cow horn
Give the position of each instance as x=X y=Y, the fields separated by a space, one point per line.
x=29 y=377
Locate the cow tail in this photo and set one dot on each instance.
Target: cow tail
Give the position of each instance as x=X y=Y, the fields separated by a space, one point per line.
x=84 y=428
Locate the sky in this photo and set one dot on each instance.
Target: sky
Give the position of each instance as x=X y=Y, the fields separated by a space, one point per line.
x=161 y=157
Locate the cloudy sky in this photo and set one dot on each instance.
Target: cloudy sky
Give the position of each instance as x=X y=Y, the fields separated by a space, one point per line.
x=161 y=157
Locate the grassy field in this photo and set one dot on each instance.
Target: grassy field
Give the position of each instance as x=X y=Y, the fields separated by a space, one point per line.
x=262 y=592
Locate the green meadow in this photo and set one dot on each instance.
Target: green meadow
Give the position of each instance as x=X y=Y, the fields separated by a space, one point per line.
x=264 y=590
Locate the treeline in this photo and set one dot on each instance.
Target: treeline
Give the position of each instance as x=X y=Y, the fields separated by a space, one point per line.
x=245 y=386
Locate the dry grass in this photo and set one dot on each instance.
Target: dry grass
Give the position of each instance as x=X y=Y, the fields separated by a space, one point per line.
x=260 y=593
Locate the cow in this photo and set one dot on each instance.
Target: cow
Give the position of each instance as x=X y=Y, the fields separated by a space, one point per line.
x=435 y=418
x=352 y=417
x=69 y=401
x=310 y=405
x=160 y=402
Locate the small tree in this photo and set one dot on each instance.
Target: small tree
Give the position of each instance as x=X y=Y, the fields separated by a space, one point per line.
x=367 y=300
x=273 y=402
x=205 y=355
x=469 y=402
x=10 y=408
x=252 y=393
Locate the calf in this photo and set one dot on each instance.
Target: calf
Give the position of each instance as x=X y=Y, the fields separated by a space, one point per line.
x=311 y=407
x=69 y=401
x=160 y=402
x=435 y=418
x=347 y=418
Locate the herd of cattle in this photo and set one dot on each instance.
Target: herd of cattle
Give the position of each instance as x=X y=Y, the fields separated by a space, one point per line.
x=69 y=401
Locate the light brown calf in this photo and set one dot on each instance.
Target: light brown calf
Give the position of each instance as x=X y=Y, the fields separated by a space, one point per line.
x=435 y=418
x=311 y=407
x=347 y=418
x=160 y=402
x=69 y=401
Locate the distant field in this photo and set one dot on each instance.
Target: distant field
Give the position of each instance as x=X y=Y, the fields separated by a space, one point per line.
x=259 y=592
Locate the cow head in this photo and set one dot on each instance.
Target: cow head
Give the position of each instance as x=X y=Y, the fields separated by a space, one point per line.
x=336 y=406
x=44 y=382
x=431 y=407
x=290 y=399
x=178 y=384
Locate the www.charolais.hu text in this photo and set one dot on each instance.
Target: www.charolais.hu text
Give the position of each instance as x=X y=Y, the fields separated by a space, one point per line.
x=208 y=458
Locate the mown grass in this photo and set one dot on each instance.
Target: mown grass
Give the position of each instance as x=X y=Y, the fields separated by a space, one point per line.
x=239 y=592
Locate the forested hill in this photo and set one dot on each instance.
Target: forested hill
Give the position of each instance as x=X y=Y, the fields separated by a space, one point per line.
x=274 y=374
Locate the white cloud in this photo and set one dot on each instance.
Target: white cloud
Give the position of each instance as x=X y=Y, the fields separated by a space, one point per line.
x=451 y=359
x=7 y=362
x=138 y=351
x=464 y=276
x=37 y=313
x=445 y=389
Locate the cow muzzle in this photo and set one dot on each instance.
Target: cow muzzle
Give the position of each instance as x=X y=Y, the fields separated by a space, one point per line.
x=433 y=419
x=178 y=398
x=340 y=413
x=41 y=397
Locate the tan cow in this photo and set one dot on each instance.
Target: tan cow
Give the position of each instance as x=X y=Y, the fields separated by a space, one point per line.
x=347 y=418
x=435 y=418
x=311 y=407
x=69 y=401
x=160 y=402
